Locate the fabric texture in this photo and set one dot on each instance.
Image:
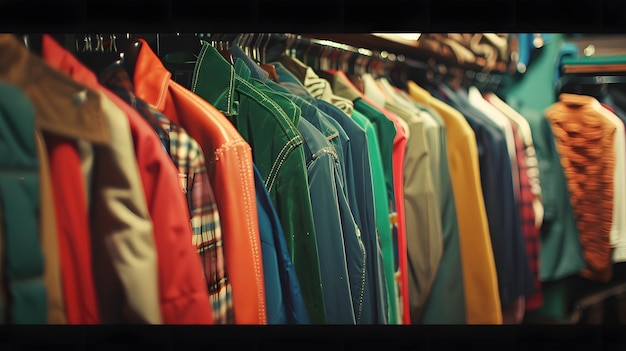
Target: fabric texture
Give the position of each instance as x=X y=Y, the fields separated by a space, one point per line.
x=502 y=212
x=423 y=217
x=188 y=158
x=49 y=238
x=231 y=173
x=269 y=125
x=585 y=141
x=19 y=197
x=61 y=122
x=534 y=296
x=358 y=184
x=479 y=272
x=285 y=305
x=183 y=297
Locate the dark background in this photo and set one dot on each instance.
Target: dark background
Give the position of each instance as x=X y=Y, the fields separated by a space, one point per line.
x=543 y=16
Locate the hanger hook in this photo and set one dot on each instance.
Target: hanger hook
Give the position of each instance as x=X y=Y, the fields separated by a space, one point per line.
x=99 y=43
x=87 y=40
x=77 y=43
x=113 y=43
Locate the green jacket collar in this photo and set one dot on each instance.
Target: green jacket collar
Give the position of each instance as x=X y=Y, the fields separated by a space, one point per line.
x=212 y=67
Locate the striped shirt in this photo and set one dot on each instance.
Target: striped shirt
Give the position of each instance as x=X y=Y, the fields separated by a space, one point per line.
x=321 y=89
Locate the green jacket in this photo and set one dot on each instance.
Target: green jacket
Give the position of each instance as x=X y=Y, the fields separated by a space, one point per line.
x=269 y=126
x=23 y=266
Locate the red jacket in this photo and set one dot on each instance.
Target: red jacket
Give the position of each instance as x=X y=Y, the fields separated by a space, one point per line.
x=230 y=168
x=73 y=231
x=184 y=297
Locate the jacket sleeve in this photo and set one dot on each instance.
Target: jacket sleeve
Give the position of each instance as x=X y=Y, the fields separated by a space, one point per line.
x=182 y=291
x=125 y=263
x=329 y=233
x=293 y=204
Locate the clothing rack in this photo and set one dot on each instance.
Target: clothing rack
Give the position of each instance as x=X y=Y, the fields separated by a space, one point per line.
x=406 y=61
x=352 y=53
x=325 y=53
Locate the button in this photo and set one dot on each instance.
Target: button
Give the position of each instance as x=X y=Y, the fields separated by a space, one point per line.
x=538 y=41
x=80 y=97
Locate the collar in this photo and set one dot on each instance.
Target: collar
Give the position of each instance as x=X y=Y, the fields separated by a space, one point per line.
x=243 y=71
x=117 y=80
x=295 y=66
x=373 y=91
x=290 y=69
x=579 y=100
x=342 y=85
x=256 y=71
x=291 y=82
x=319 y=119
x=60 y=58
x=474 y=94
x=418 y=92
x=314 y=140
x=63 y=106
x=151 y=78
x=301 y=91
x=452 y=95
x=396 y=97
x=217 y=79
x=308 y=110
x=284 y=75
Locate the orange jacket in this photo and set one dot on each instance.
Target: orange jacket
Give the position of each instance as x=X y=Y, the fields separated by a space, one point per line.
x=230 y=167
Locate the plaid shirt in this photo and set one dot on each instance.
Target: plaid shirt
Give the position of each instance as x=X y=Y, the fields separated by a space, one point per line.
x=188 y=157
x=534 y=300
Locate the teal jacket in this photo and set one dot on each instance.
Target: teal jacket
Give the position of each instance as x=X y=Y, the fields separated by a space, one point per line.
x=19 y=212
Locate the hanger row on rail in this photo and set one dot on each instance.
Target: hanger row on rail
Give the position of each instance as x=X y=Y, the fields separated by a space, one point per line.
x=320 y=54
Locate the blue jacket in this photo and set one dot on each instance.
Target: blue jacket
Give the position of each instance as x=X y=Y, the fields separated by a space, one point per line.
x=341 y=254
x=341 y=251
x=283 y=296
x=360 y=194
